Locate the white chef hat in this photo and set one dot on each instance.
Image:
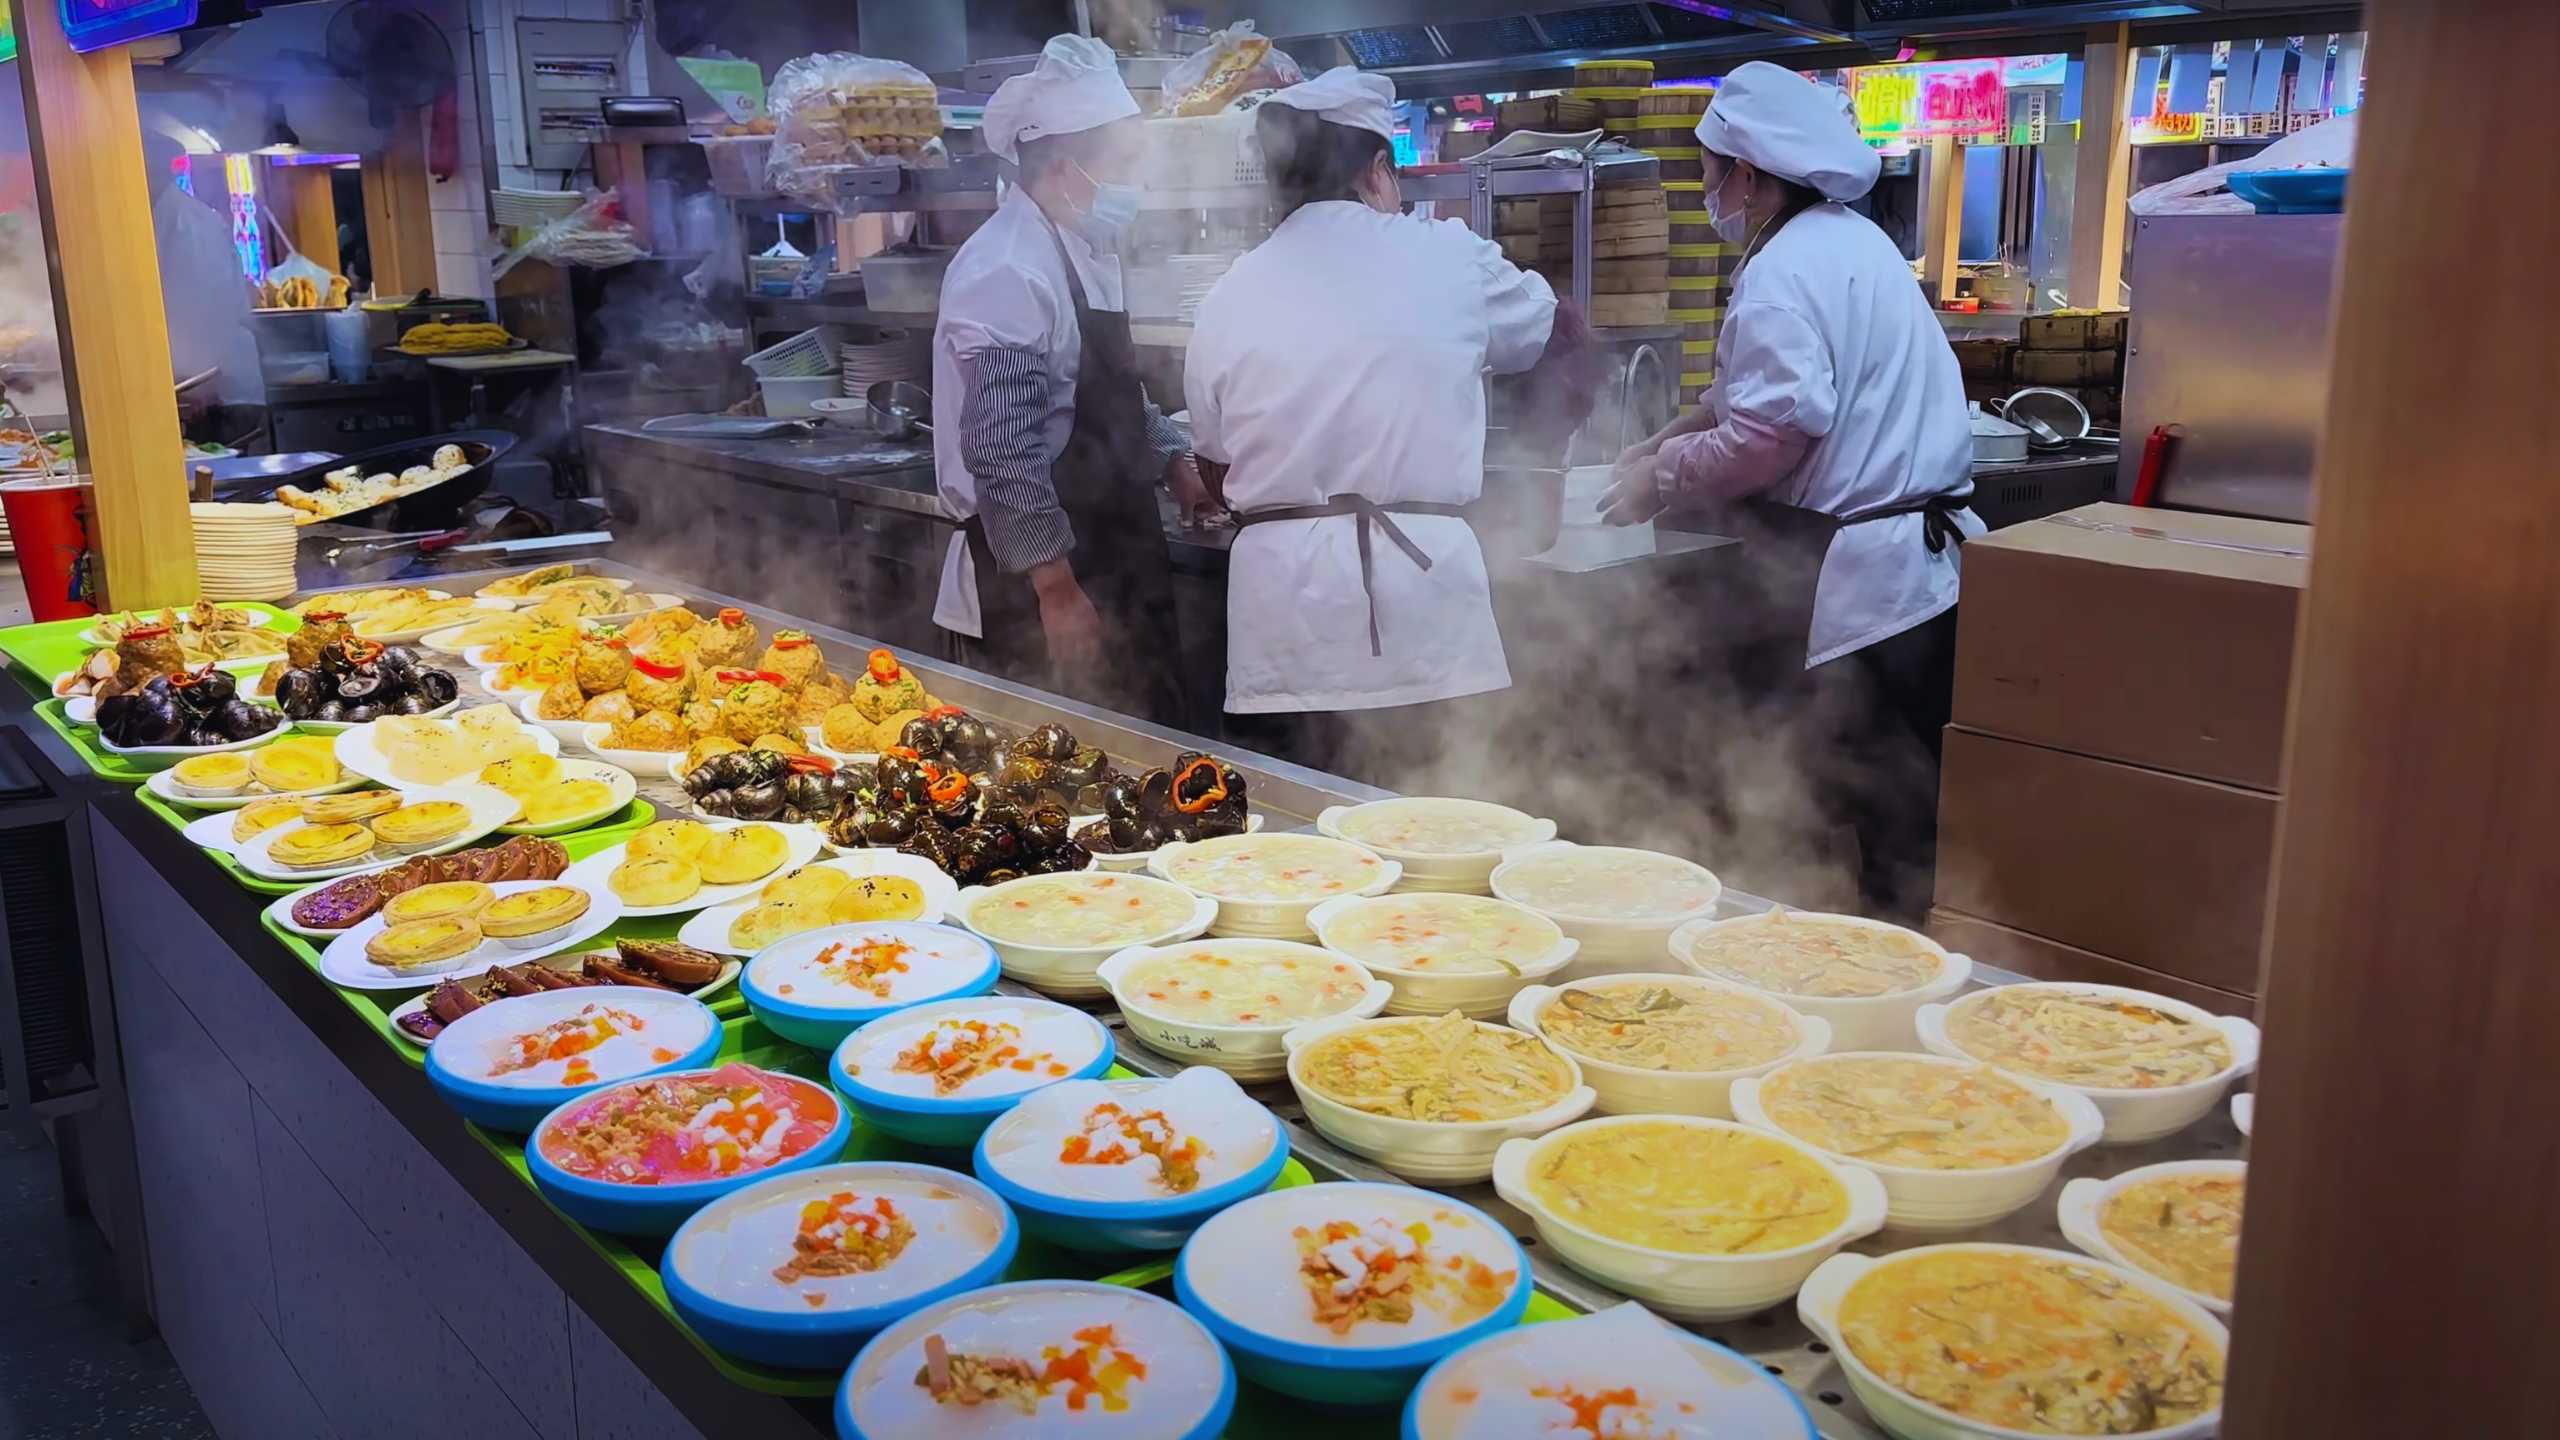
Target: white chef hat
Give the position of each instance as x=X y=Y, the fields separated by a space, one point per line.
x=1792 y=128
x=1346 y=95
x=1076 y=86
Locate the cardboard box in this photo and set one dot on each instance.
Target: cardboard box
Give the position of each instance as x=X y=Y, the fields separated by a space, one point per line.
x=2038 y=958
x=2158 y=870
x=2101 y=331
x=2070 y=367
x=2138 y=635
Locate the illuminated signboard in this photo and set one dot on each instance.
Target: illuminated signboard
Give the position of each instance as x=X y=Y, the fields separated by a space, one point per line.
x=1964 y=99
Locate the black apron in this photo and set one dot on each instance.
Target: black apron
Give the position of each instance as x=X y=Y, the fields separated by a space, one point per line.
x=1105 y=483
x=1783 y=547
x=1372 y=515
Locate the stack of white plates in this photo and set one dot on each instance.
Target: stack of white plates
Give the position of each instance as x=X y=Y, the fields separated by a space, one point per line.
x=244 y=552
x=1189 y=277
x=876 y=355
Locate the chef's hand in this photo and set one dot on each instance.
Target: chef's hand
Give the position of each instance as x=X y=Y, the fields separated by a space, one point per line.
x=1067 y=617
x=1635 y=488
x=1193 y=505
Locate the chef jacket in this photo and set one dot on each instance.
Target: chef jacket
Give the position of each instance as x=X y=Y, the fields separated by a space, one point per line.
x=1836 y=391
x=1345 y=356
x=1005 y=353
x=204 y=297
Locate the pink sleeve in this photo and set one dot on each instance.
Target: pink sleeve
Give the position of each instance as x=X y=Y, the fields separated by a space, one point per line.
x=1741 y=457
x=1775 y=383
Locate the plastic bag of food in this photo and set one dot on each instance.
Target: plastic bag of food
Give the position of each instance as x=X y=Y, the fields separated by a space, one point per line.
x=594 y=235
x=1235 y=62
x=2329 y=144
x=839 y=108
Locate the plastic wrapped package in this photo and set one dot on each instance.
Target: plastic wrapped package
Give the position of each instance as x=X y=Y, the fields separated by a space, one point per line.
x=2329 y=144
x=594 y=235
x=1235 y=63
x=839 y=108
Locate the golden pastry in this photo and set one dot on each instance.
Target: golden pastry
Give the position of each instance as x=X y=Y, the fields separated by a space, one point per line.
x=422 y=943
x=429 y=822
x=876 y=897
x=451 y=899
x=810 y=885
x=312 y=846
x=295 y=764
x=673 y=839
x=566 y=801
x=761 y=925
x=654 y=880
x=533 y=914
x=522 y=775
x=224 y=774
x=750 y=852
x=354 y=805
x=260 y=816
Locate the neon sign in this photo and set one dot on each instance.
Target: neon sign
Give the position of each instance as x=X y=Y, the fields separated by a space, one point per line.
x=1963 y=99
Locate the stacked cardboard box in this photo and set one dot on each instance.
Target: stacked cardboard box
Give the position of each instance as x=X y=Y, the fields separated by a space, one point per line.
x=2081 y=351
x=2107 y=807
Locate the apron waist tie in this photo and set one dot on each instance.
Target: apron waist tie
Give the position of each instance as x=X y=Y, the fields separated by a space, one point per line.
x=1939 y=526
x=1370 y=513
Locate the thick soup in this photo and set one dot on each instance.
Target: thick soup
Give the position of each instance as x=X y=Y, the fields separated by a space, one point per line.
x=1444 y=935
x=1437 y=827
x=1274 y=869
x=1449 y=1068
x=1820 y=957
x=1688 y=1188
x=2103 y=1041
x=2031 y=1342
x=1913 y=1113
x=1090 y=908
x=1242 y=983
x=1610 y=884
x=1664 y=1025
x=2183 y=1228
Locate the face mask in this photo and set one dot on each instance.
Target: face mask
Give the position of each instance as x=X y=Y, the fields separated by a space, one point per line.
x=1105 y=221
x=1733 y=227
x=1387 y=197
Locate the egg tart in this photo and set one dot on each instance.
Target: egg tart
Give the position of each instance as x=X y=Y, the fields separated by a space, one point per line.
x=224 y=774
x=670 y=839
x=422 y=944
x=260 y=816
x=354 y=805
x=291 y=764
x=750 y=852
x=530 y=917
x=309 y=847
x=448 y=900
x=810 y=884
x=564 y=801
x=429 y=822
x=654 y=880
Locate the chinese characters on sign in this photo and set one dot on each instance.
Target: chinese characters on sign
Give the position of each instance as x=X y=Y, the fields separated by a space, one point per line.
x=1963 y=99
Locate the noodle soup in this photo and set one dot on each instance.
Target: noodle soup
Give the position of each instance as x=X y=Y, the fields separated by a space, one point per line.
x=2183 y=1228
x=2097 y=1040
x=1604 y=883
x=1448 y=1070
x=1659 y=1023
x=1686 y=1188
x=1242 y=983
x=1817 y=957
x=1912 y=1113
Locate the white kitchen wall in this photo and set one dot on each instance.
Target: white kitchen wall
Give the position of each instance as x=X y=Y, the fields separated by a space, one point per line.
x=460 y=202
x=495 y=22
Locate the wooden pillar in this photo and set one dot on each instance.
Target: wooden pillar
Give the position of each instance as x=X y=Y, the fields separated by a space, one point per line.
x=399 y=231
x=2104 y=171
x=87 y=143
x=1942 y=236
x=310 y=211
x=2400 y=1242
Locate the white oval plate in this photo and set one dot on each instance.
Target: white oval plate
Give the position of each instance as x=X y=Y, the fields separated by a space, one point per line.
x=489 y=682
x=340 y=727
x=166 y=788
x=344 y=961
x=490 y=808
x=356 y=752
x=213 y=832
x=415 y=1003
x=642 y=762
x=624 y=787
x=448 y=641
x=709 y=930
x=175 y=753
x=281 y=911
x=94 y=635
x=567 y=732
x=802 y=847
x=83 y=709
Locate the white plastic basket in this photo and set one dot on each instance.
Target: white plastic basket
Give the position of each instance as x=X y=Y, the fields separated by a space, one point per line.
x=811 y=352
x=532 y=208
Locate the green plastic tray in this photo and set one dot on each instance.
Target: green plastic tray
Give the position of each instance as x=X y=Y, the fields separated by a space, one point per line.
x=83 y=739
x=46 y=650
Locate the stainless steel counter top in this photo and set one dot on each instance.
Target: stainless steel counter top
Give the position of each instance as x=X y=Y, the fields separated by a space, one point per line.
x=893 y=476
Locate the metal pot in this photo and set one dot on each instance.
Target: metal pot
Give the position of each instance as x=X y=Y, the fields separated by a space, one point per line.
x=1996 y=440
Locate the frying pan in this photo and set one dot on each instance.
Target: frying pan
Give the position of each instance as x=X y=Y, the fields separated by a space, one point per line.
x=437 y=507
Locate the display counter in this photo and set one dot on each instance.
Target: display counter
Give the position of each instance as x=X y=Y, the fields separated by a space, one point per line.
x=333 y=1250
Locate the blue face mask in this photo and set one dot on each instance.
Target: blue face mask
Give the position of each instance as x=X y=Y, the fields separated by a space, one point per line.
x=1105 y=222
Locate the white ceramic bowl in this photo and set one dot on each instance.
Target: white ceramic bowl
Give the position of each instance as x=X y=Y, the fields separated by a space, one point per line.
x=1268 y=919
x=1137 y=859
x=1858 y=1022
x=1248 y=1052
x=1479 y=995
x=1433 y=1152
x=1685 y=1286
x=2132 y=1116
x=1628 y=1090
x=1070 y=970
x=1904 y=1415
x=567 y=732
x=1467 y=872
x=2085 y=1199
x=1942 y=1202
x=1609 y=943
x=2244 y=1110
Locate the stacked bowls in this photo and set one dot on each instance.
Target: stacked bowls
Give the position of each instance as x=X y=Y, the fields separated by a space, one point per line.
x=244 y=551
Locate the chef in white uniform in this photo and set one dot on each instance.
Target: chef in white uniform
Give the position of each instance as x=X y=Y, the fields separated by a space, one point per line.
x=1836 y=442
x=1044 y=445
x=1337 y=373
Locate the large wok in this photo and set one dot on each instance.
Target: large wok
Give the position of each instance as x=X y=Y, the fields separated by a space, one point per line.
x=437 y=507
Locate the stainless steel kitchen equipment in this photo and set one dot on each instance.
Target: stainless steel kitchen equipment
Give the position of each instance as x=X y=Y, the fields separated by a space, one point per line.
x=894 y=406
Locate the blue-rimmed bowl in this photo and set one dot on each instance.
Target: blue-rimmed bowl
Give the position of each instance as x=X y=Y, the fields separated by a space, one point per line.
x=1112 y=1226
x=788 y=1333
x=961 y=965
x=514 y=1109
x=956 y=1122
x=892 y=1358
x=620 y=1209
x=1749 y=1400
x=1364 y=1377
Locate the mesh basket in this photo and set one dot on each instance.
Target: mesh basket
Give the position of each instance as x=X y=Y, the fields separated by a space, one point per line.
x=1204 y=152
x=809 y=353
